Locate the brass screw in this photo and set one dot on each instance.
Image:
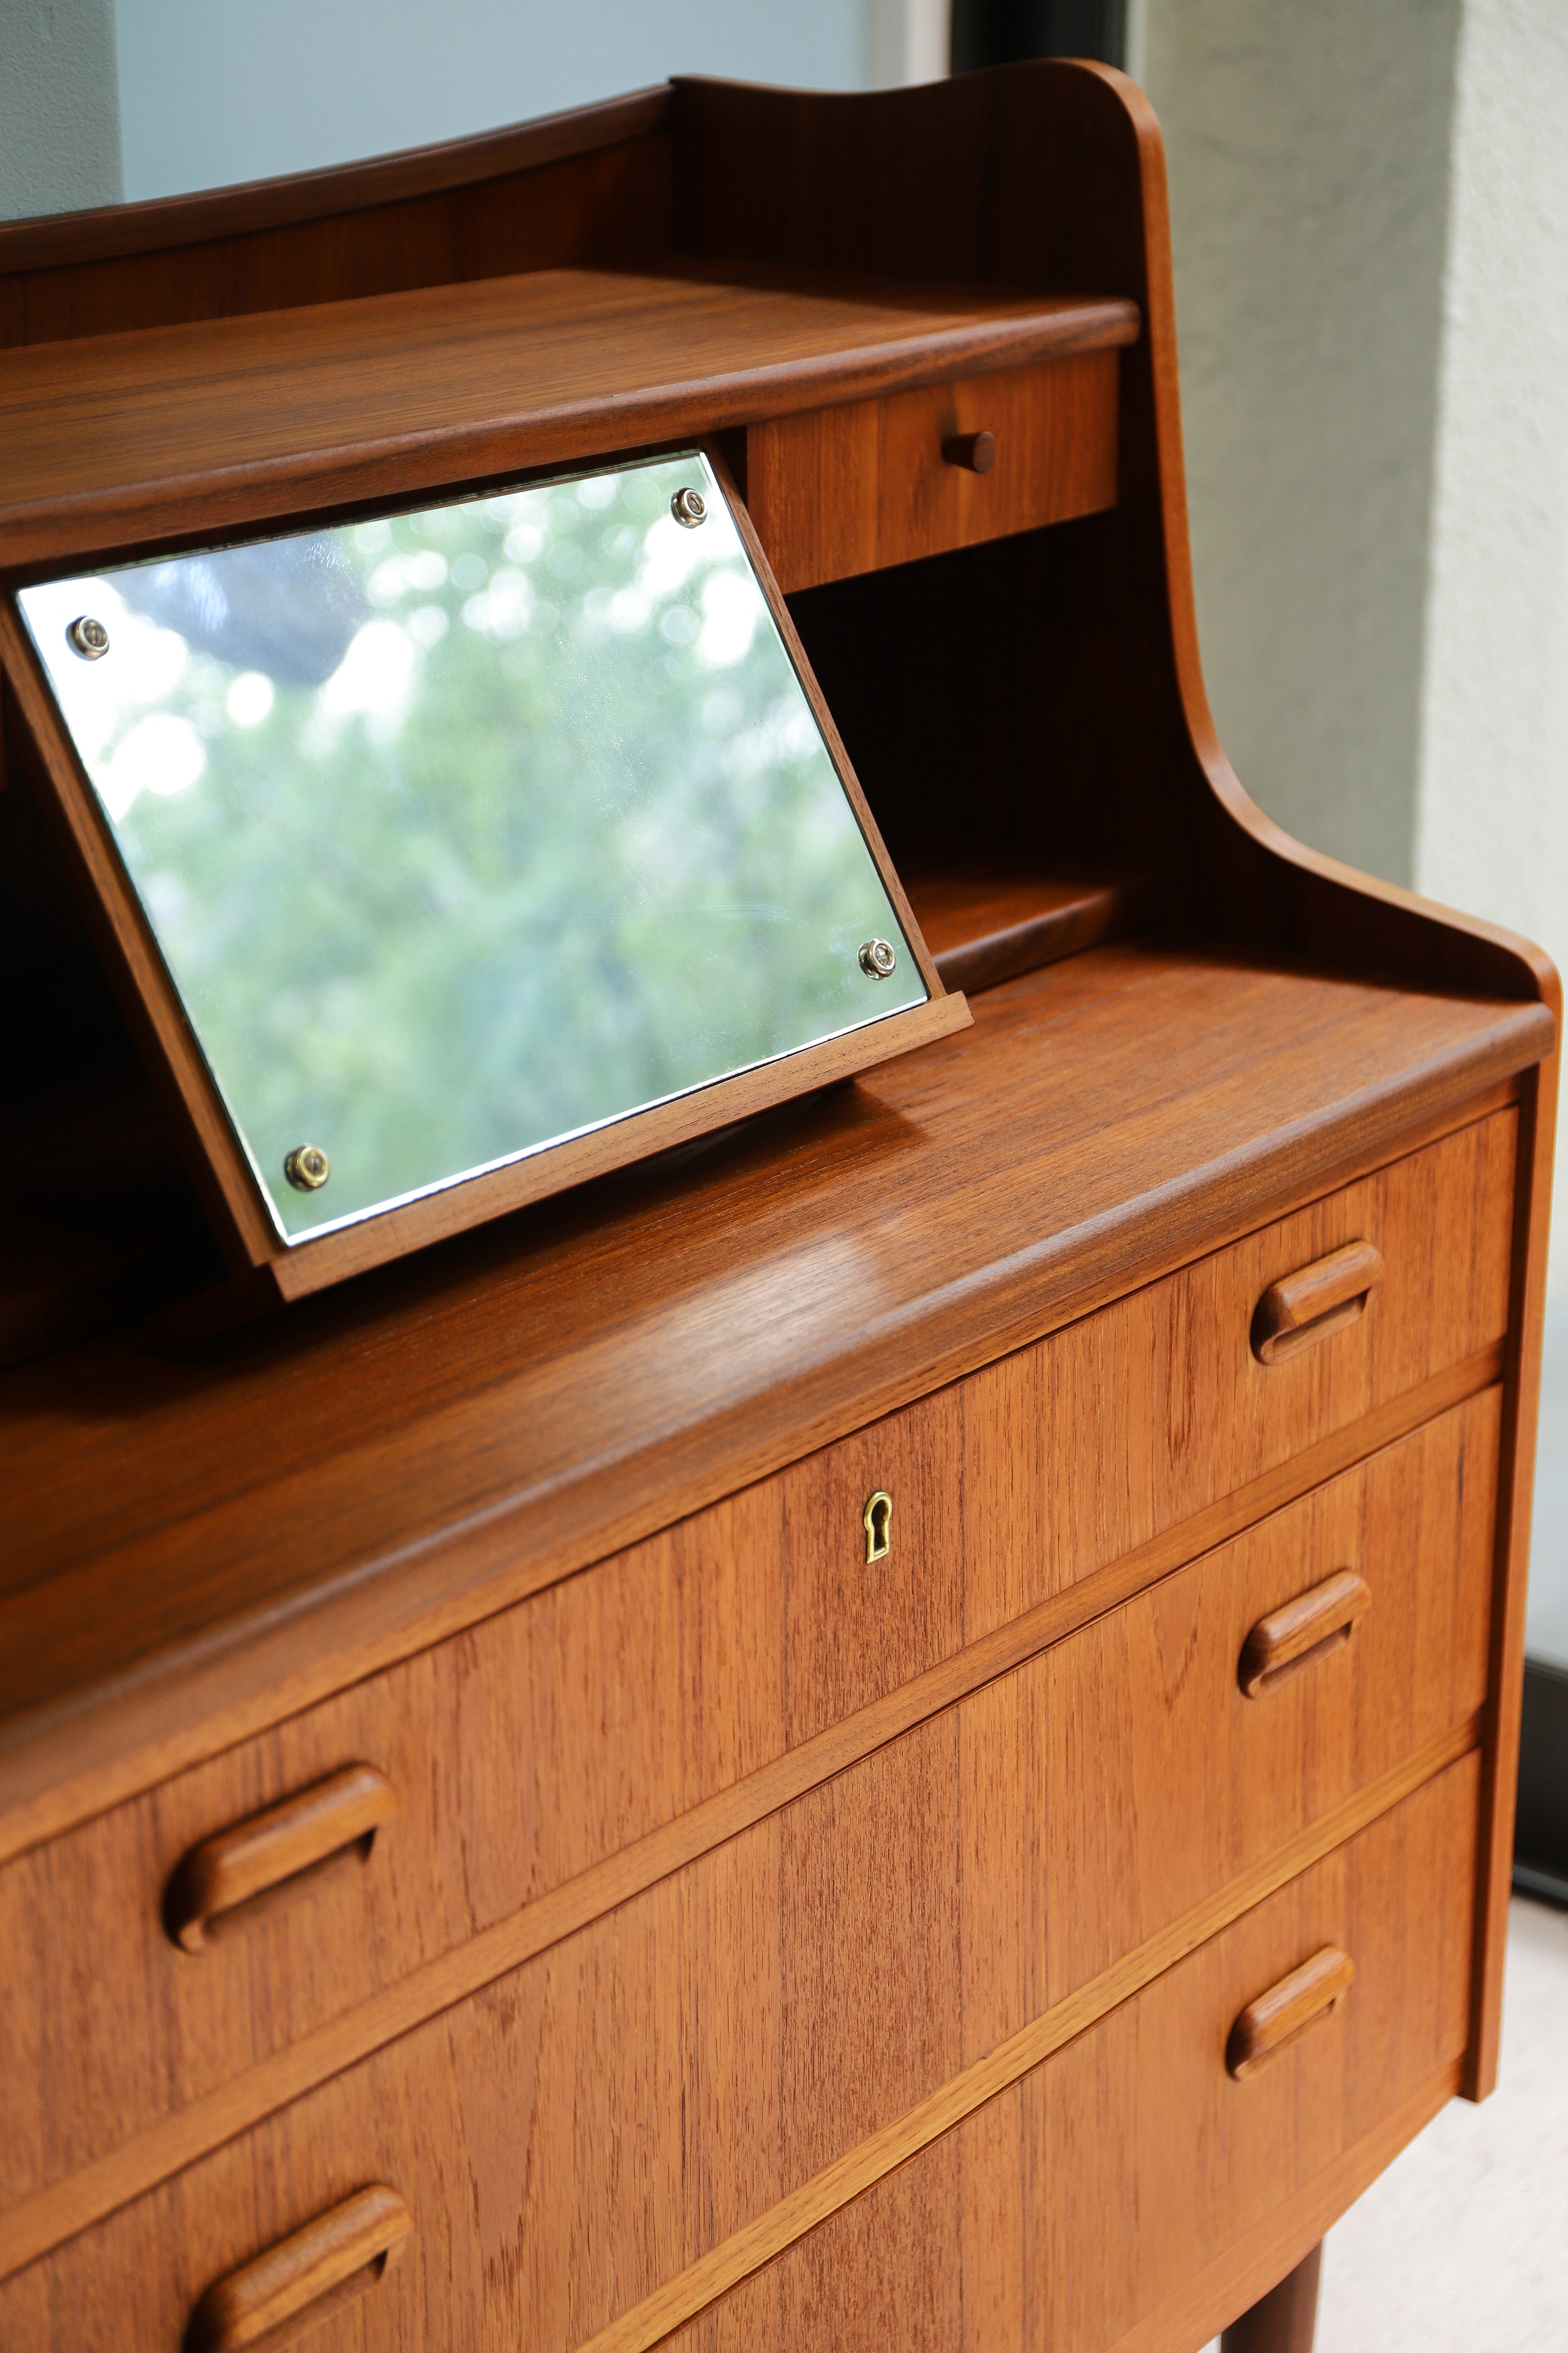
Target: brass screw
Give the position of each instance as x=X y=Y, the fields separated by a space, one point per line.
x=88 y=637
x=877 y=959
x=689 y=507
x=307 y=1167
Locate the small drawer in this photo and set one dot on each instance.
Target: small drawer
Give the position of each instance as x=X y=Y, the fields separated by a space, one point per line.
x=838 y=490
x=1117 y=1430
x=652 y=2084
x=525 y=1752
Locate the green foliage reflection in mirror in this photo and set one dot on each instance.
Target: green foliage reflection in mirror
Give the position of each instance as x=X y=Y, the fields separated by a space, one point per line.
x=467 y=830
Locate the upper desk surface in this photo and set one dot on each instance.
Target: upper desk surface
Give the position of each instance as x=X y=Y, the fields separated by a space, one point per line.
x=398 y=1459
x=114 y=440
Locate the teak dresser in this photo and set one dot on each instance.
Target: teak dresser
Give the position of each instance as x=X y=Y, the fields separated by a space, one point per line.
x=896 y=1730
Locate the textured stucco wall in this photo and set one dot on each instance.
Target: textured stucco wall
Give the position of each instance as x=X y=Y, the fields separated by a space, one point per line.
x=1492 y=820
x=1370 y=222
x=1309 y=165
x=60 y=107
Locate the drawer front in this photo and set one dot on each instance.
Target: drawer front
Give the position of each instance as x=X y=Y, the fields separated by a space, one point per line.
x=587 y=2126
x=1099 y=2191
x=853 y=488
x=526 y=1751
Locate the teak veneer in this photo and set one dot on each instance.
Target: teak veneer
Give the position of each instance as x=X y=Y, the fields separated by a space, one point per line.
x=164 y=431
x=452 y=1732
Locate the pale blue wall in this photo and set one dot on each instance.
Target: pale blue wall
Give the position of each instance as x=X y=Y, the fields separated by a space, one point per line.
x=59 y=109
x=212 y=91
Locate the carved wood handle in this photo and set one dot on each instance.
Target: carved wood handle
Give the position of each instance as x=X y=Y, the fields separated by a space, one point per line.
x=1316 y=1301
x=1271 y=2023
x=976 y=452
x=235 y=1865
x=1293 y=1636
x=330 y=2261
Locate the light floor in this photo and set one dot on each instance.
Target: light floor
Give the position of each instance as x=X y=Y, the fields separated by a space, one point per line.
x=1462 y=2245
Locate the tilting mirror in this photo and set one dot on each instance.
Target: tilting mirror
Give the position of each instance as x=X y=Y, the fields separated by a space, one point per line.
x=465 y=832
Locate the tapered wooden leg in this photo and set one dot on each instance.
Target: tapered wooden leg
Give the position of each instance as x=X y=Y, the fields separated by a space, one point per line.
x=1286 y=2319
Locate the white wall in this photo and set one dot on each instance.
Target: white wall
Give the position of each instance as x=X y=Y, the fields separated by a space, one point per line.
x=214 y=91
x=1492 y=820
x=1370 y=224
x=59 y=109
x=907 y=41
x=1307 y=152
x=1492 y=809
x=203 y=95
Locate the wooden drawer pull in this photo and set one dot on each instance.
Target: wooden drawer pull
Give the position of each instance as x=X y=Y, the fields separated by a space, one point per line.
x=232 y=1865
x=1295 y=1635
x=1271 y=2023
x=976 y=452
x=1316 y=1301
x=271 y=2300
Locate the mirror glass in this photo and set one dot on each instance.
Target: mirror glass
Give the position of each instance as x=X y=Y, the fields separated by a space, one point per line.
x=465 y=831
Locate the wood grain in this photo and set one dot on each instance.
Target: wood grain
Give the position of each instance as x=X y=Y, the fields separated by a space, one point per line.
x=328 y=2262
x=231 y=1867
x=1288 y=1637
x=121 y=440
x=620 y=2041
x=1105 y=663
x=1108 y=1731
x=853 y=488
x=206 y=216
x=983 y=929
x=1276 y=2019
x=1046 y=174
x=439 y=1447
x=204 y=1550
x=998 y=2232
x=1527 y=1308
x=1312 y=1303
x=1257 y=2259
x=1284 y=2320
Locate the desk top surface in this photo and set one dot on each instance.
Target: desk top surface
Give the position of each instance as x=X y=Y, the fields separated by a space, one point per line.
x=308 y=1498
x=118 y=438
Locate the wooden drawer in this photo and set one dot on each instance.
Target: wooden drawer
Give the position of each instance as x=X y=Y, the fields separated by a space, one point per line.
x=697 y=1670
x=1128 y=2193
x=838 y=490
x=650 y=2085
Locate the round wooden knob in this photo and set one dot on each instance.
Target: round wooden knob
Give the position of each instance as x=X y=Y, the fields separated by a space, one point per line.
x=976 y=451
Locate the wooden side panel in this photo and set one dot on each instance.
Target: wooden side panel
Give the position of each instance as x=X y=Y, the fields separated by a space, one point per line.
x=559 y=1733
x=572 y=2138
x=835 y=492
x=1522 y=1394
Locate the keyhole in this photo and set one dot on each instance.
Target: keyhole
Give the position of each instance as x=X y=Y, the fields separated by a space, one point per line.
x=877 y=1520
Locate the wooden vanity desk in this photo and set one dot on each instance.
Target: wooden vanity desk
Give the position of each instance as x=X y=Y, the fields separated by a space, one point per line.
x=899 y=1728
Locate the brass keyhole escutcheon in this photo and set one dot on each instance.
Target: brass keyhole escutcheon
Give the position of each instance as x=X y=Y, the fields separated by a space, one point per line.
x=876 y=1519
